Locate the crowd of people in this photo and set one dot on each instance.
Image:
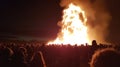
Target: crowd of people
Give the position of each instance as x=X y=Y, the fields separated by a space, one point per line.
x=27 y=54
x=20 y=55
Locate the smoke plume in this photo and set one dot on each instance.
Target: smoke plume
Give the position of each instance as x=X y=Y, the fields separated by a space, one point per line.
x=97 y=15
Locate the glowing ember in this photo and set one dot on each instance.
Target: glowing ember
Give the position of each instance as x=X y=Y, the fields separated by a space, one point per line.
x=73 y=27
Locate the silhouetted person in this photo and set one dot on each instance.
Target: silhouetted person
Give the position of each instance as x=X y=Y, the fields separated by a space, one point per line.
x=5 y=57
x=38 y=60
x=93 y=48
x=107 y=57
x=19 y=59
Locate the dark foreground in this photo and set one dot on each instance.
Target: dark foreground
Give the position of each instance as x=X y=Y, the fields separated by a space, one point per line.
x=27 y=54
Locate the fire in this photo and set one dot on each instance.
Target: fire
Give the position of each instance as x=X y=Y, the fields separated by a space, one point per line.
x=73 y=27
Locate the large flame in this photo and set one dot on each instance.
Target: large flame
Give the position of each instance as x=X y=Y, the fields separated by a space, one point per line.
x=73 y=27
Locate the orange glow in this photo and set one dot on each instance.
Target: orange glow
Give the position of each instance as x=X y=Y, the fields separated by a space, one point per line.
x=73 y=27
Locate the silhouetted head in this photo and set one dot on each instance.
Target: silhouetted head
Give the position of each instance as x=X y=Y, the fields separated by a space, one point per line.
x=37 y=60
x=23 y=51
x=21 y=54
x=94 y=43
x=6 y=53
x=107 y=57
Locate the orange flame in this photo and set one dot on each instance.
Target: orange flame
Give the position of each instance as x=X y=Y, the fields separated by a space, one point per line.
x=73 y=27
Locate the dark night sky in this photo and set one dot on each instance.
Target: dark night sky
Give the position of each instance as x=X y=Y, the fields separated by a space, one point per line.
x=38 y=18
